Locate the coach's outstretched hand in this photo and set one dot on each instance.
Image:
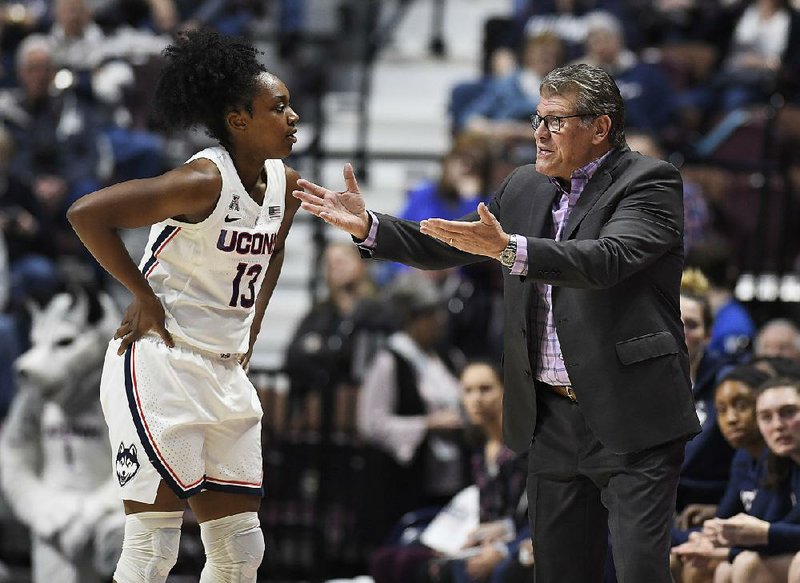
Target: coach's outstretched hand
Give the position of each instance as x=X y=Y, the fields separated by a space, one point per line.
x=344 y=210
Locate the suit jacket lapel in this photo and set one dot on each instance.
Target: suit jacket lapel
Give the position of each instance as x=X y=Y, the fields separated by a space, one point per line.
x=541 y=214
x=596 y=186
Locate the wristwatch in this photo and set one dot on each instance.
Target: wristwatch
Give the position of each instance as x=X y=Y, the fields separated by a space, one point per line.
x=509 y=255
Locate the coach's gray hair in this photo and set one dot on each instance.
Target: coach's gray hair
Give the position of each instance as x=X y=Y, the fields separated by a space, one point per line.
x=595 y=92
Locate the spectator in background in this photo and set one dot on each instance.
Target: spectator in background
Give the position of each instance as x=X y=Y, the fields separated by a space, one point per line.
x=33 y=234
x=648 y=97
x=778 y=337
x=707 y=458
x=472 y=294
x=758 y=546
x=735 y=401
x=500 y=477
x=55 y=132
x=763 y=47
x=102 y=67
x=409 y=413
x=500 y=63
x=566 y=18
x=463 y=182
x=76 y=39
x=696 y=218
x=733 y=329
x=505 y=106
x=339 y=335
x=766 y=36
x=17 y=20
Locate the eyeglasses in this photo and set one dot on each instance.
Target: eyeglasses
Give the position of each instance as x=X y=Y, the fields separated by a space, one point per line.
x=554 y=123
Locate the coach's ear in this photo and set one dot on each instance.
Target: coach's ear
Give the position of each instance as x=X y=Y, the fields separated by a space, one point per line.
x=602 y=128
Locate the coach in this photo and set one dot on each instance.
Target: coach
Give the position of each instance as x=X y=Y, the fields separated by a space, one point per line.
x=596 y=369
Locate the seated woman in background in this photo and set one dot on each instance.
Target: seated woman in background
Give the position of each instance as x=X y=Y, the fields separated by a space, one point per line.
x=408 y=412
x=759 y=546
x=500 y=476
x=735 y=401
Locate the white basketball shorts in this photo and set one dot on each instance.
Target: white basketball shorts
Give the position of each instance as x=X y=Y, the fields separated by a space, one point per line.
x=175 y=414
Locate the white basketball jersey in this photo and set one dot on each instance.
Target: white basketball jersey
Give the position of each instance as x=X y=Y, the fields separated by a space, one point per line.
x=208 y=274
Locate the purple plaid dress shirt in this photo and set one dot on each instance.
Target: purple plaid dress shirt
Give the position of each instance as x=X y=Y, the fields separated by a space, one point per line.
x=550 y=367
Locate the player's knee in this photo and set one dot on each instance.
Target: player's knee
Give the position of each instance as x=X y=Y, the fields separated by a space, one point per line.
x=150 y=547
x=234 y=548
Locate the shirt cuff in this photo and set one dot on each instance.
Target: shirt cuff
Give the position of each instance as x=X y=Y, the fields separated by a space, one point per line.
x=372 y=235
x=520 y=266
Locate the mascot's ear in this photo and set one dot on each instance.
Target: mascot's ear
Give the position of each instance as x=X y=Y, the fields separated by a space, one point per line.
x=33 y=309
x=121 y=449
x=133 y=449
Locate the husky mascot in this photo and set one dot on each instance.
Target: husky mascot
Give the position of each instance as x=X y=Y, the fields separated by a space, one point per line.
x=54 y=448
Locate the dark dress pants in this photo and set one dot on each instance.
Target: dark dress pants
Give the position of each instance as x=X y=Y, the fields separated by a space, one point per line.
x=578 y=492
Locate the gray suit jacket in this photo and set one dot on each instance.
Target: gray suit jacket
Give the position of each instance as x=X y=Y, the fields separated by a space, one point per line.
x=616 y=298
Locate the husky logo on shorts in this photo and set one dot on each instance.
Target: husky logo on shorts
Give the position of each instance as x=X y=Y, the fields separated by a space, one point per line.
x=127 y=463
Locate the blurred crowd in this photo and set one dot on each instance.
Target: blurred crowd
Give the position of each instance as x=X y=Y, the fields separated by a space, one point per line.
x=385 y=407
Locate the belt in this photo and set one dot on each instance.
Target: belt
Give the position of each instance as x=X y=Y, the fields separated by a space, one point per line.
x=563 y=391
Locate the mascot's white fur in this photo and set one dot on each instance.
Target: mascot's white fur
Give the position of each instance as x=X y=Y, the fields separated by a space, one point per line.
x=54 y=448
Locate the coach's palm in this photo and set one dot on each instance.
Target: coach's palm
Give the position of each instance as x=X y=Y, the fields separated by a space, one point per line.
x=344 y=210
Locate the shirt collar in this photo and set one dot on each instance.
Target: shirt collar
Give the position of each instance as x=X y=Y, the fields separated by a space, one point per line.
x=584 y=173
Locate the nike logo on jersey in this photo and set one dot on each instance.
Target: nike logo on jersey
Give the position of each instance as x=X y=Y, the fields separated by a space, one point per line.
x=230 y=219
x=245 y=243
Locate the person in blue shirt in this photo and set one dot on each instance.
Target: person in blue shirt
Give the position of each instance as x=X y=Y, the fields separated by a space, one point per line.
x=733 y=330
x=760 y=545
x=504 y=108
x=464 y=181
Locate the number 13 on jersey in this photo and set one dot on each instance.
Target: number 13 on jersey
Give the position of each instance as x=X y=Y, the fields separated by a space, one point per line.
x=250 y=272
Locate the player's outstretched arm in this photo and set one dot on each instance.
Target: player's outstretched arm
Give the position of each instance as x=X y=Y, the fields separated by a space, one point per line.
x=344 y=210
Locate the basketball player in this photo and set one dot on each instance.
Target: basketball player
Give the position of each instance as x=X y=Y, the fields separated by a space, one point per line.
x=184 y=420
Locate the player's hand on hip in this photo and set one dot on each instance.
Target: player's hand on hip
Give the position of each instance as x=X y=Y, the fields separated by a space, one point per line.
x=344 y=210
x=244 y=359
x=143 y=315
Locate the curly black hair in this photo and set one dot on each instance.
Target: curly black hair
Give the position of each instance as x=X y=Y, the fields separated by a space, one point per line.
x=206 y=75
